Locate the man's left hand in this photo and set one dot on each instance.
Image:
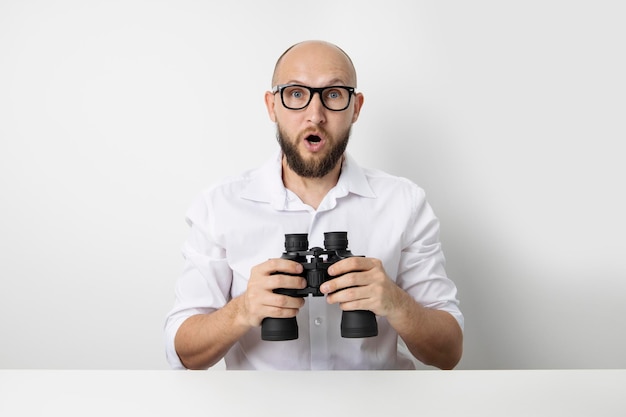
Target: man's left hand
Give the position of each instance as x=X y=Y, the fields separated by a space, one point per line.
x=362 y=284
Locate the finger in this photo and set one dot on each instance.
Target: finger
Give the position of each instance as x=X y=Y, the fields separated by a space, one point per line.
x=275 y=273
x=269 y=304
x=285 y=301
x=280 y=313
x=282 y=306
x=354 y=305
x=352 y=264
x=278 y=265
x=348 y=280
x=287 y=282
x=347 y=295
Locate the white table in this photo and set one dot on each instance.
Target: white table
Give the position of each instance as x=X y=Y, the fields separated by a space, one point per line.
x=353 y=393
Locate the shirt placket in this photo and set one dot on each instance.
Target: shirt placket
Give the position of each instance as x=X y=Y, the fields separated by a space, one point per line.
x=318 y=308
x=318 y=318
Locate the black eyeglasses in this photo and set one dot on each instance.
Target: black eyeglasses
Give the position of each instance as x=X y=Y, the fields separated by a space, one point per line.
x=297 y=97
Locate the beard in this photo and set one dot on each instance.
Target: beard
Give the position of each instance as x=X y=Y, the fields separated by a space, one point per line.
x=316 y=167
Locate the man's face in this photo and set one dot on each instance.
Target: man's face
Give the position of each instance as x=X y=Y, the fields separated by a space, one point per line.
x=313 y=139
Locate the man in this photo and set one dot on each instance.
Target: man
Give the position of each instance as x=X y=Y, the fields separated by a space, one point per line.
x=232 y=257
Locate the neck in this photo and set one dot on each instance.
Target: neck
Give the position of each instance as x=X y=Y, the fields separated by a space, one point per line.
x=310 y=190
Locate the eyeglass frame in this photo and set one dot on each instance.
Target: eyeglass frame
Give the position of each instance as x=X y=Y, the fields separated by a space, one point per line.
x=312 y=90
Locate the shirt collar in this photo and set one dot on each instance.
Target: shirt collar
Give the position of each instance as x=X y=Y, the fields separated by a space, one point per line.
x=266 y=184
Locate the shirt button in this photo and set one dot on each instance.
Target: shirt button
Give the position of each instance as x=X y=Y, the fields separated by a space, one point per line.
x=318 y=321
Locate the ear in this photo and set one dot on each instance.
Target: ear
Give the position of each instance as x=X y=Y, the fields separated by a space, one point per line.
x=269 y=104
x=358 y=103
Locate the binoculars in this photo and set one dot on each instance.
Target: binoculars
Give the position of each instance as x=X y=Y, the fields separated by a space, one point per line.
x=315 y=263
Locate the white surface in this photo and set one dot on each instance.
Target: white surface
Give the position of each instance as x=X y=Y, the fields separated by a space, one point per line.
x=114 y=114
x=168 y=393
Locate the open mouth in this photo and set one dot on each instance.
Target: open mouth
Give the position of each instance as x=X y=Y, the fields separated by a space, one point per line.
x=313 y=139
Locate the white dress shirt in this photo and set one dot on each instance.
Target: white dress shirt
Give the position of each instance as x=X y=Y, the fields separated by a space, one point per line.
x=242 y=222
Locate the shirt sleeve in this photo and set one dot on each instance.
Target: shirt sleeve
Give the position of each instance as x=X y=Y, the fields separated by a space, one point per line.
x=422 y=263
x=204 y=284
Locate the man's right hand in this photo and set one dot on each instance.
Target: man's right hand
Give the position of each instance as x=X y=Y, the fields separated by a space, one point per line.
x=203 y=339
x=259 y=299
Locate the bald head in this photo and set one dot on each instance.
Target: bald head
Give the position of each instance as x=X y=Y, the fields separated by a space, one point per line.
x=314 y=56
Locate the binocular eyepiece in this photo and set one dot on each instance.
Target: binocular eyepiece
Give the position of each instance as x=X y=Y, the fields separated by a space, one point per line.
x=315 y=263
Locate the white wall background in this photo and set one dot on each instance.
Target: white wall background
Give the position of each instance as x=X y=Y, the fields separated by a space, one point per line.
x=115 y=114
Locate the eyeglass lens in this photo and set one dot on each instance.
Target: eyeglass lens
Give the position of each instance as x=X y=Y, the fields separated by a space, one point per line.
x=298 y=97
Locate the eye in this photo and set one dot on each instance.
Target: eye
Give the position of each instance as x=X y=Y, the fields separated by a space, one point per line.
x=296 y=93
x=334 y=94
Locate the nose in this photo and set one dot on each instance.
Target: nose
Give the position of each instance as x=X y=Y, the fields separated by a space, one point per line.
x=316 y=112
